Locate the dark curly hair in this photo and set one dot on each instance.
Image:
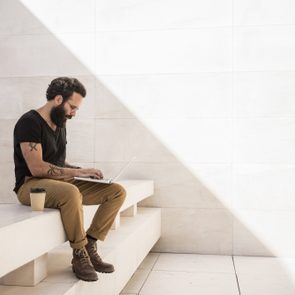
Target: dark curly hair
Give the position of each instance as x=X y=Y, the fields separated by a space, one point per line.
x=65 y=87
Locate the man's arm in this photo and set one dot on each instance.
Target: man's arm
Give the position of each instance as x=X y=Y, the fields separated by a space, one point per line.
x=32 y=153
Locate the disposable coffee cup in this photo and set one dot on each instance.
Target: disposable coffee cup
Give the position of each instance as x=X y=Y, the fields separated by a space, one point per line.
x=37 y=196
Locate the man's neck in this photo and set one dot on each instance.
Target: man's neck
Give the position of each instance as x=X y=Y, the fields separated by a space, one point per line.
x=45 y=114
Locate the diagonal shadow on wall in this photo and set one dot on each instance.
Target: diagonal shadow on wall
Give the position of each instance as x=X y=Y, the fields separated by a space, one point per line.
x=198 y=213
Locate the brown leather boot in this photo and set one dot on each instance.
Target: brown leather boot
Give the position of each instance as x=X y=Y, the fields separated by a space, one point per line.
x=96 y=260
x=82 y=266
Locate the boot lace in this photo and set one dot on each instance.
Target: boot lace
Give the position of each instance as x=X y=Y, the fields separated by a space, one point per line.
x=82 y=254
x=92 y=250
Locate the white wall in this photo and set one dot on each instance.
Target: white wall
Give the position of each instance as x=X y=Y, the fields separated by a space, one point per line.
x=201 y=91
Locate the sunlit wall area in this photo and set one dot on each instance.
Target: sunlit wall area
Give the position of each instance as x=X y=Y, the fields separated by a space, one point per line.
x=201 y=92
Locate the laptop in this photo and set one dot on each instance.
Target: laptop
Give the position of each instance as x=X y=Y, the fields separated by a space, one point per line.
x=105 y=180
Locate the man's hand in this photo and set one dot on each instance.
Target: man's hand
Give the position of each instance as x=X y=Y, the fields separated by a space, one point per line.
x=89 y=172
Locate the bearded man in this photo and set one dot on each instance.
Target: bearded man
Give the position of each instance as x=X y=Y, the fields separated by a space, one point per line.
x=40 y=161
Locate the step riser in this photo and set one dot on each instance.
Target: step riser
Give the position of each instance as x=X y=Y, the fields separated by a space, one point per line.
x=29 y=274
x=32 y=240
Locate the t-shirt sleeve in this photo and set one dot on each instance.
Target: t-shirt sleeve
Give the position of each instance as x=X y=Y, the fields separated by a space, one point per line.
x=27 y=130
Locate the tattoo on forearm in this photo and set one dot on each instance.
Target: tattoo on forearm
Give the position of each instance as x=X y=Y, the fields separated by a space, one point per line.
x=32 y=145
x=55 y=171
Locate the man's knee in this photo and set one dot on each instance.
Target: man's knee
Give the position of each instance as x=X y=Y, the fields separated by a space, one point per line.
x=120 y=191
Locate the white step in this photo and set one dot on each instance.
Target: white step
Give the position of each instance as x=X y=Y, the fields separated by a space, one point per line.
x=125 y=248
x=29 y=235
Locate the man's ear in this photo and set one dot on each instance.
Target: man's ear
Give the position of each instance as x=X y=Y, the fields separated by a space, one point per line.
x=58 y=99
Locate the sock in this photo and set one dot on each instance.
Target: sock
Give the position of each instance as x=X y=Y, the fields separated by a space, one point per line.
x=92 y=238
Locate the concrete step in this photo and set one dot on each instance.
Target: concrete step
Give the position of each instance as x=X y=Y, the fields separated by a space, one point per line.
x=22 y=231
x=125 y=247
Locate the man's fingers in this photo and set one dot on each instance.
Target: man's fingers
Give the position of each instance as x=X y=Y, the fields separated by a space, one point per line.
x=99 y=174
x=94 y=173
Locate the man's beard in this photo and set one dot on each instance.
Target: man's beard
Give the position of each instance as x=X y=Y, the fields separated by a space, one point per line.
x=58 y=116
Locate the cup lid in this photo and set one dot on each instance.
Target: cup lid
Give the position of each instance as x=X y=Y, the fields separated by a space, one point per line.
x=37 y=190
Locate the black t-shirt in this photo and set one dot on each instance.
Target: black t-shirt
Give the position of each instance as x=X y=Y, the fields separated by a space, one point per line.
x=31 y=127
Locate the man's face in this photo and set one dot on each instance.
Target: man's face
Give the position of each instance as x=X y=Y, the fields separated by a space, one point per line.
x=66 y=110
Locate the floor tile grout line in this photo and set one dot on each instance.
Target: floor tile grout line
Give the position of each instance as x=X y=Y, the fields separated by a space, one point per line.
x=148 y=274
x=232 y=168
x=194 y=271
x=237 y=279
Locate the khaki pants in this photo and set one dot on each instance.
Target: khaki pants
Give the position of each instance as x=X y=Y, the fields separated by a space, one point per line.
x=68 y=195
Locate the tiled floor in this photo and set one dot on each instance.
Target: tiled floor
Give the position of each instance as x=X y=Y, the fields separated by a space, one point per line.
x=191 y=274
